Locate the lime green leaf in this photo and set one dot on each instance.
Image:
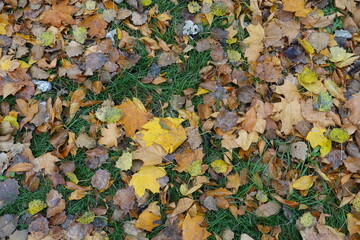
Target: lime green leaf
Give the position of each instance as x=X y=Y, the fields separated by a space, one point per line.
x=86 y=218
x=146 y=2
x=323 y=102
x=307 y=220
x=36 y=206
x=108 y=114
x=218 y=8
x=339 y=135
x=234 y=56
x=195 y=168
x=219 y=166
x=72 y=177
x=80 y=34
x=46 y=38
x=124 y=162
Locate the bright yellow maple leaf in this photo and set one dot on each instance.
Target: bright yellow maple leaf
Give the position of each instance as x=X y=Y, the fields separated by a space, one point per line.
x=316 y=138
x=146 y=179
x=304 y=183
x=167 y=132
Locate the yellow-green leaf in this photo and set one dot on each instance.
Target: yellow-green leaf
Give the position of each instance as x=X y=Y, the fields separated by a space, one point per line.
x=307 y=76
x=12 y=120
x=233 y=56
x=304 y=183
x=46 y=38
x=339 y=135
x=109 y=114
x=86 y=218
x=36 y=206
x=124 y=162
x=218 y=8
x=195 y=168
x=193 y=7
x=219 y=166
x=80 y=34
x=146 y=2
x=73 y=178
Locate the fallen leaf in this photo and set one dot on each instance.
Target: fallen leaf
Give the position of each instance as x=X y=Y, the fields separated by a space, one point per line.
x=110 y=135
x=304 y=183
x=354 y=106
x=149 y=218
x=59 y=14
x=167 y=132
x=183 y=205
x=134 y=115
x=192 y=228
x=146 y=179
x=96 y=25
x=36 y=206
x=268 y=209
x=46 y=162
x=7 y=225
x=152 y=155
x=125 y=198
x=299 y=150
x=100 y=180
x=9 y=190
x=219 y=166
x=108 y=114
x=125 y=161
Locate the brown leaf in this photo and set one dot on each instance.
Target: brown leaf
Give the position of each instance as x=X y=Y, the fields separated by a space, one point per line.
x=100 y=180
x=167 y=58
x=47 y=162
x=96 y=25
x=125 y=198
x=85 y=140
x=7 y=225
x=151 y=155
x=110 y=135
x=192 y=228
x=354 y=106
x=59 y=14
x=268 y=209
x=39 y=228
x=55 y=202
x=352 y=164
x=95 y=157
x=226 y=120
x=135 y=115
x=182 y=205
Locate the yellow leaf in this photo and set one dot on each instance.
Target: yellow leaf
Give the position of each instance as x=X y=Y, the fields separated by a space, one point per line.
x=304 y=183
x=307 y=76
x=201 y=91
x=124 y=162
x=146 y=2
x=86 y=218
x=167 y=132
x=36 y=206
x=307 y=46
x=72 y=177
x=219 y=166
x=326 y=148
x=193 y=7
x=316 y=138
x=195 y=168
x=12 y=120
x=334 y=90
x=146 y=179
x=5 y=65
x=339 y=135
x=149 y=218
x=80 y=34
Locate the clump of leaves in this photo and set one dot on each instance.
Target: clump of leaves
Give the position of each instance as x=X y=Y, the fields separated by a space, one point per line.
x=338 y=135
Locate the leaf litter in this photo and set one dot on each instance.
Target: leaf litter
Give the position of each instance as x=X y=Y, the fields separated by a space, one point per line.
x=277 y=90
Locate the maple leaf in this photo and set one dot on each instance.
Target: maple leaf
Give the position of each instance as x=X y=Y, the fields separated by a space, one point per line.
x=110 y=135
x=254 y=42
x=151 y=155
x=59 y=14
x=146 y=179
x=192 y=229
x=96 y=25
x=167 y=132
x=134 y=115
x=289 y=112
x=354 y=106
x=47 y=162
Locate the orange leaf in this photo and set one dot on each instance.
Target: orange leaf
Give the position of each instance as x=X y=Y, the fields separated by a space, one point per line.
x=96 y=25
x=149 y=219
x=60 y=13
x=192 y=229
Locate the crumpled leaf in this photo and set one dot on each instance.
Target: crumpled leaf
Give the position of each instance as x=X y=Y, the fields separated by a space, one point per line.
x=125 y=161
x=146 y=179
x=167 y=132
x=338 y=135
x=219 y=166
x=36 y=206
x=86 y=218
x=108 y=114
x=304 y=183
x=323 y=102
